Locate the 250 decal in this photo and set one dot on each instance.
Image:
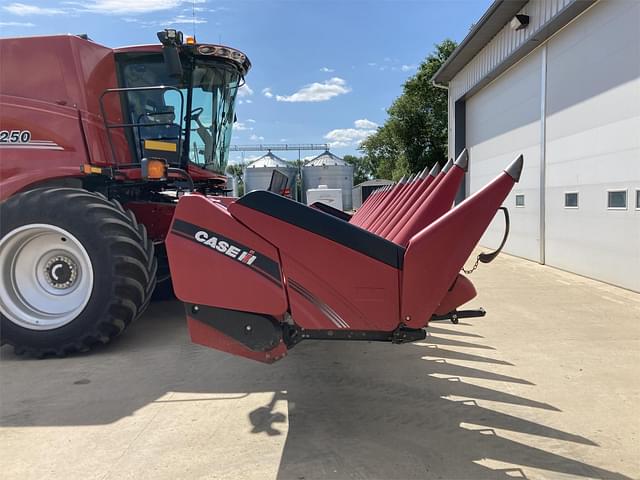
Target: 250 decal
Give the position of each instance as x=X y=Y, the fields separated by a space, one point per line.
x=15 y=136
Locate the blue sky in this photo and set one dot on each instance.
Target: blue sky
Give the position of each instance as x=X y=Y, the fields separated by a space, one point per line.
x=323 y=71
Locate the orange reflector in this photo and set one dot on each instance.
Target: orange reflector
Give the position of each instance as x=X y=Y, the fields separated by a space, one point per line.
x=191 y=40
x=88 y=169
x=155 y=169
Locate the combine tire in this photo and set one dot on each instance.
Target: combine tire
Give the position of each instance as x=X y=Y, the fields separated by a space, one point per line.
x=76 y=269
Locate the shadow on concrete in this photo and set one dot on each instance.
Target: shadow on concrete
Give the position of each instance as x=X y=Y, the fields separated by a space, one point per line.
x=355 y=410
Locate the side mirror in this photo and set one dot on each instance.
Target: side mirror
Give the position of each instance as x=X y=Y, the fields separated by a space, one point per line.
x=172 y=61
x=170 y=40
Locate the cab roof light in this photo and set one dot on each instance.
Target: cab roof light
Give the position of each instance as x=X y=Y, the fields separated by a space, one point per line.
x=224 y=52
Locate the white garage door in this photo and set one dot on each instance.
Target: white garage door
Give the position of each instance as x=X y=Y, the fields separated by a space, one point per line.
x=593 y=144
x=503 y=121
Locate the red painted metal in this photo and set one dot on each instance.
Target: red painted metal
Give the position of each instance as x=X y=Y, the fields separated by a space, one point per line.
x=394 y=197
x=371 y=199
x=407 y=213
x=384 y=203
x=374 y=199
x=61 y=108
x=155 y=216
x=397 y=213
x=386 y=196
x=208 y=336
x=203 y=275
x=326 y=285
x=459 y=293
x=360 y=289
x=443 y=247
x=378 y=223
x=437 y=203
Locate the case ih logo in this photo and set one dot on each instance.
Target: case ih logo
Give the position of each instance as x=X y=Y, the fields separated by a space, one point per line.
x=222 y=246
x=247 y=256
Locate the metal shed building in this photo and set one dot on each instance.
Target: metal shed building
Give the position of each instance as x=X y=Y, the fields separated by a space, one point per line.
x=362 y=191
x=559 y=81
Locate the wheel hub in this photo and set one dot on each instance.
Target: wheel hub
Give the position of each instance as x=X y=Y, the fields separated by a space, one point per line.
x=46 y=276
x=61 y=272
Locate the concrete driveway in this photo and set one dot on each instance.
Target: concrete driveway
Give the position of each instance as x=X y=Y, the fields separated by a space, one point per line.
x=546 y=386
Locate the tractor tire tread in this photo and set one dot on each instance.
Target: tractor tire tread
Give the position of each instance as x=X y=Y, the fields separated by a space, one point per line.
x=132 y=256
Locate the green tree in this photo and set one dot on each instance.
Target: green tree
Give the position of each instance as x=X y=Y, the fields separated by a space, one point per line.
x=414 y=136
x=382 y=152
x=362 y=169
x=236 y=170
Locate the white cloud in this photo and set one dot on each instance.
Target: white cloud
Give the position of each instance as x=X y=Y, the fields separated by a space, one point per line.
x=372 y=64
x=318 y=92
x=240 y=126
x=349 y=137
x=22 y=9
x=327 y=70
x=267 y=92
x=408 y=68
x=250 y=120
x=184 y=19
x=346 y=137
x=245 y=90
x=283 y=140
x=248 y=100
x=255 y=137
x=117 y=7
x=240 y=159
x=17 y=24
x=365 y=124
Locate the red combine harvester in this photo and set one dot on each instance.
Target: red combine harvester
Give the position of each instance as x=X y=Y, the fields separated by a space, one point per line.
x=97 y=147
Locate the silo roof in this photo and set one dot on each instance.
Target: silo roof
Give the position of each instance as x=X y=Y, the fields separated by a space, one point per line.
x=326 y=159
x=269 y=160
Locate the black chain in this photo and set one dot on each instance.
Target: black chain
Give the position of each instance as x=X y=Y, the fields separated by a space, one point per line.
x=475 y=265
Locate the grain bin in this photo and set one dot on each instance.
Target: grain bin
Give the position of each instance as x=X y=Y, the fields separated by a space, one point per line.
x=330 y=170
x=257 y=175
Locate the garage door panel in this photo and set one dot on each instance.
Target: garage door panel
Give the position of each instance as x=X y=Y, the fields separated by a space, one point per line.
x=593 y=145
x=502 y=122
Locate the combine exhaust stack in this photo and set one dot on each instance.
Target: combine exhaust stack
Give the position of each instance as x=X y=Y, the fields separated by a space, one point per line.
x=292 y=273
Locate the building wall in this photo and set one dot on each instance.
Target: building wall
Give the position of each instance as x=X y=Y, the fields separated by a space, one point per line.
x=503 y=121
x=497 y=52
x=572 y=107
x=593 y=143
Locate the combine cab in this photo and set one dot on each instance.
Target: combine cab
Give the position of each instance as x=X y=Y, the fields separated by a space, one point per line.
x=96 y=146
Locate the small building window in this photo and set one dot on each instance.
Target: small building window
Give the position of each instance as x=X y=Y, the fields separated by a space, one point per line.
x=638 y=199
x=617 y=199
x=520 y=200
x=571 y=200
